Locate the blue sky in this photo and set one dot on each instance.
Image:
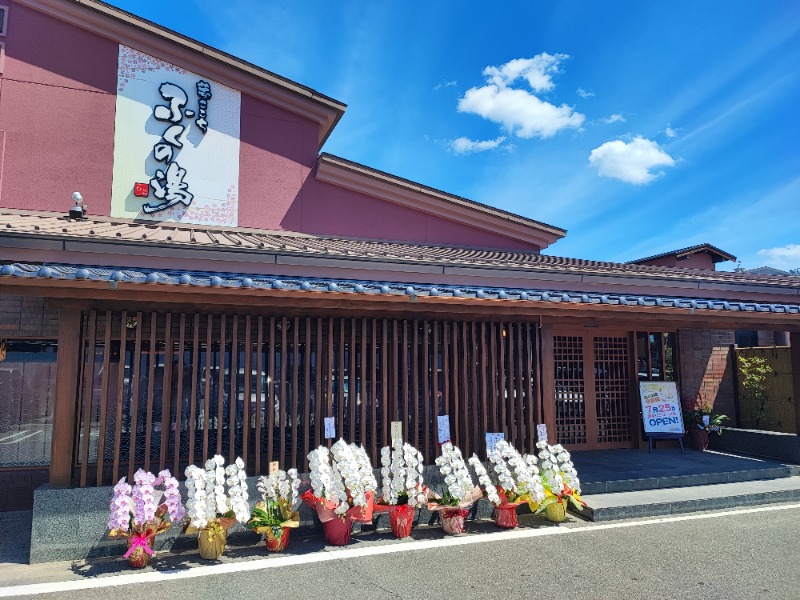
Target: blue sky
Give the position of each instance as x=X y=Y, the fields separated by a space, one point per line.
x=639 y=127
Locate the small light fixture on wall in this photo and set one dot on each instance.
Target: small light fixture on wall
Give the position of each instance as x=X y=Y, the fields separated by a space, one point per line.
x=79 y=210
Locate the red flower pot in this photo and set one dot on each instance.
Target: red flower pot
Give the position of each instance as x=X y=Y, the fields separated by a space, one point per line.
x=140 y=550
x=338 y=530
x=401 y=518
x=277 y=543
x=505 y=515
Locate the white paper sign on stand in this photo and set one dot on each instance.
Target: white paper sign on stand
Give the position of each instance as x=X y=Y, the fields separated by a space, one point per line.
x=444 y=428
x=491 y=441
x=541 y=432
x=330 y=427
x=397 y=432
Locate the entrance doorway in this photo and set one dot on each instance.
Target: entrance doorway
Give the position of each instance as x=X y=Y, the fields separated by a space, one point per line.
x=592 y=384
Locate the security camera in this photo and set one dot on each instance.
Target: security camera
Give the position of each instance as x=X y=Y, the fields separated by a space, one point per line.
x=79 y=210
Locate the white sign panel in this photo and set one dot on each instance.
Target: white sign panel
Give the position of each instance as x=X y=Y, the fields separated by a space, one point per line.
x=330 y=427
x=397 y=432
x=491 y=441
x=661 y=407
x=444 y=428
x=176 y=144
x=541 y=432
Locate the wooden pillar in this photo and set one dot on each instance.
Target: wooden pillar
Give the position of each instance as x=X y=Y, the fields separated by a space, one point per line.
x=794 y=341
x=69 y=357
x=548 y=384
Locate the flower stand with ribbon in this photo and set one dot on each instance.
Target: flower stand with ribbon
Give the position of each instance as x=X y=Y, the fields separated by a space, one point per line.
x=136 y=515
x=276 y=538
x=140 y=550
x=556 y=512
x=401 y=518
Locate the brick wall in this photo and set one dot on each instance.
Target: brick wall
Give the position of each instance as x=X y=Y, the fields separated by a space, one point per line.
x=706 y=369
x=27 y=317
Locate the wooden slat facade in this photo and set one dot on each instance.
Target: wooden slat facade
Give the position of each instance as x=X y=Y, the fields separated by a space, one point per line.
x=161 y=389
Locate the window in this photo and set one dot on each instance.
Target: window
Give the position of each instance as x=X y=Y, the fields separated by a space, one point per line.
x=3 y=20
x=656 y=356
x=28 y=384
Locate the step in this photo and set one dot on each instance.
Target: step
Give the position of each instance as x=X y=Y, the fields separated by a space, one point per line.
x=670 y=501
x=688 y=480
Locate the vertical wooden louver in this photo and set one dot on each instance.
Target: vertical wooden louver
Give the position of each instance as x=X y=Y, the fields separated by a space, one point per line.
x=169 y=389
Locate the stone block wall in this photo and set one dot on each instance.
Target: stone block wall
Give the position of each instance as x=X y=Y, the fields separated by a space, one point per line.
x=706 y=369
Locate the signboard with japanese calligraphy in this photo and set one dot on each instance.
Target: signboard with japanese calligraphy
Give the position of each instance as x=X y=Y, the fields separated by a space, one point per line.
x=176 y=144
x=443 y=429
x=491 y=441
x=661 y=407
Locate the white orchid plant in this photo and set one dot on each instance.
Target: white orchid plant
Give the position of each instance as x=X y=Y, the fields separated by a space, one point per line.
x=459 y=489
x=559 y=476
x=342 y=477
x=279 y=502
x=209 y=504
x=401 y=475
x=512 y=479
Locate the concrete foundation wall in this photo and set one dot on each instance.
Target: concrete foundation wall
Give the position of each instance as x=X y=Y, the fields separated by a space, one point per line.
x=80 y=518
x=784 y=447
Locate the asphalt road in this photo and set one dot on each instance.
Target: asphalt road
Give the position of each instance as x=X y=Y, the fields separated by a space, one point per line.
x=743 y=554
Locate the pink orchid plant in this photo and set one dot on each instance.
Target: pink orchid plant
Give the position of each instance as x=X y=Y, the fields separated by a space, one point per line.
x=134 y=513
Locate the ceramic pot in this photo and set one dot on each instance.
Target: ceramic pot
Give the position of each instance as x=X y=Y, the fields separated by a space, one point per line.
x=698 y=439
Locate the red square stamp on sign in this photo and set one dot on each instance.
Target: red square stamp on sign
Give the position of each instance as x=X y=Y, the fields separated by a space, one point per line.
x=141 y=190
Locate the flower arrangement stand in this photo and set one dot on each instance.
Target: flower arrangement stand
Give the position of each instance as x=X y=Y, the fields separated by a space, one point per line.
x=338 y=531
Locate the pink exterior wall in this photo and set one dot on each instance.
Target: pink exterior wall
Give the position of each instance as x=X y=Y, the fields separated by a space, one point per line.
x=701 y=260
x=56 y=114
x=57 y=110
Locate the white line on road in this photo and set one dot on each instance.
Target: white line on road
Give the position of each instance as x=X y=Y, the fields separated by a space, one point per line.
x=319 y=557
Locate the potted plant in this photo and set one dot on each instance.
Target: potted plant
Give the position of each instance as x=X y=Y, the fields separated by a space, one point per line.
x=700 y=420
x=135 y=516
x=459 y=491
x=512 y=482
x=342 y=489
x=562 y=487
x=212 y=510
x=402 y=486
x=276 y=514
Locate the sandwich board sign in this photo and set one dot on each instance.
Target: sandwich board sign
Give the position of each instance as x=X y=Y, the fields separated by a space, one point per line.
x=661 y=411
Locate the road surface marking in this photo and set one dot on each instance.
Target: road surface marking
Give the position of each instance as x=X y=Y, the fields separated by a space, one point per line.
x=326 y=556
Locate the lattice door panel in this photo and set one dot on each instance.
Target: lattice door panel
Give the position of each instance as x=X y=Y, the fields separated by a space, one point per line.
x=569 y=386
x=612 y=389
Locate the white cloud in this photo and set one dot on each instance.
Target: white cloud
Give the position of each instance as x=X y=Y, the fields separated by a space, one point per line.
x=464 y=145
x=784 y=257
x=630 y=162
x=670 y=132
x=615 y=118
x=519 y=111
x=444 y=84
x=584 y=94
